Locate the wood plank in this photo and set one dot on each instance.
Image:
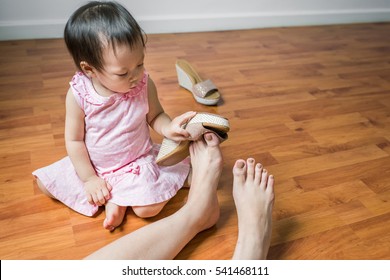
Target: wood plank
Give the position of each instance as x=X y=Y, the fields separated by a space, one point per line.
x=311 y=103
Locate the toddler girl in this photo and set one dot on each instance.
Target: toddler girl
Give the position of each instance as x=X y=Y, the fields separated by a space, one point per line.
x=110 y=105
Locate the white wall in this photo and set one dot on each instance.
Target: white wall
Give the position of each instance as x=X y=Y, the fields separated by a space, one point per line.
x=25 y=19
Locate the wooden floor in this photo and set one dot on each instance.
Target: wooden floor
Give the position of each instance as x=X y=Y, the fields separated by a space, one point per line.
x=311 y=103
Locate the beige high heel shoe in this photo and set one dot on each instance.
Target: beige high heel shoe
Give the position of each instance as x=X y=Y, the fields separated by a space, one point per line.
x=172 y=152
x=204 y=91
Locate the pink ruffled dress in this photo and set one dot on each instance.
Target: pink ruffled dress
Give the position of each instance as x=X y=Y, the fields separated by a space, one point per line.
x=121 y=150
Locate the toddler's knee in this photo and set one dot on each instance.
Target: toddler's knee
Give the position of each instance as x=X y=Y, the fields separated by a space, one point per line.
x=43 y=188
x=148 y=211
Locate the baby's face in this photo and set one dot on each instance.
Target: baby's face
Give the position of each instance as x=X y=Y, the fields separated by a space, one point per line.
x=123 y=68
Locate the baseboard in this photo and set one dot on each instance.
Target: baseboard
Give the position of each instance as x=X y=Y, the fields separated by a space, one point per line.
x=31 y=30
x=261 y=20
x=54 y=29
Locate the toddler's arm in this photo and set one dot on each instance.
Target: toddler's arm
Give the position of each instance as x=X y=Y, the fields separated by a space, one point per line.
x=161 y=122
x=96 y=188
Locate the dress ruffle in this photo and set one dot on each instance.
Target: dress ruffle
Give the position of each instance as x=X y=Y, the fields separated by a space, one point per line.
x=82 y=86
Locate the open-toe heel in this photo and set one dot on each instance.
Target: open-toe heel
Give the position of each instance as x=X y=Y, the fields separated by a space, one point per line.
x=204 y=91
x=172 y=152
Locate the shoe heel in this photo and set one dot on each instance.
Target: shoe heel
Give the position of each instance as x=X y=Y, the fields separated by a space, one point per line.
x=172 y=152
x=184 y=79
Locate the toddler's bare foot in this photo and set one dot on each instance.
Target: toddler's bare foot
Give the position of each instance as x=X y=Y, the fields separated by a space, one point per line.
x=253 y=193
x=206 y=161
x=114 y=216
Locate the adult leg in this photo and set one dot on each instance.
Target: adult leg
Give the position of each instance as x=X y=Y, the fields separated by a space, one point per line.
x=253 y=192
x=165 y=238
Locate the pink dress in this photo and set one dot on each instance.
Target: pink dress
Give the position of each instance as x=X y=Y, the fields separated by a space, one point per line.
x=120 y=148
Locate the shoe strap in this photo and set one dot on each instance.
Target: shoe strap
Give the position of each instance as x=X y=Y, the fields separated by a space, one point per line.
x=203 y=88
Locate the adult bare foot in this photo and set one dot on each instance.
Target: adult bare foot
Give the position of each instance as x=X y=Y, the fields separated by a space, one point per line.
x=206 y=161
x=253 y=193
x=114 y=216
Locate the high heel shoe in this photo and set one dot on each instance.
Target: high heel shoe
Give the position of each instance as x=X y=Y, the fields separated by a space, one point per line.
x=172 y=152
x=204 y=91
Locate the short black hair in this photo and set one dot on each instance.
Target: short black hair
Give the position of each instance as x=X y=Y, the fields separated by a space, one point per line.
x=97 y=24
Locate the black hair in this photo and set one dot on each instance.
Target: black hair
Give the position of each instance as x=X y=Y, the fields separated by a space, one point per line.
x=96 y=25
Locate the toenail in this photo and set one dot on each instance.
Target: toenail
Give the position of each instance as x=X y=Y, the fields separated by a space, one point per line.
x=264 y=170
x=240 y=164
x=251 y=160
x=259 y=166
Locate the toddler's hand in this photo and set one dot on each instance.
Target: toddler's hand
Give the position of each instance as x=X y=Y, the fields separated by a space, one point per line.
x=97 y=190
x=175 y=131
